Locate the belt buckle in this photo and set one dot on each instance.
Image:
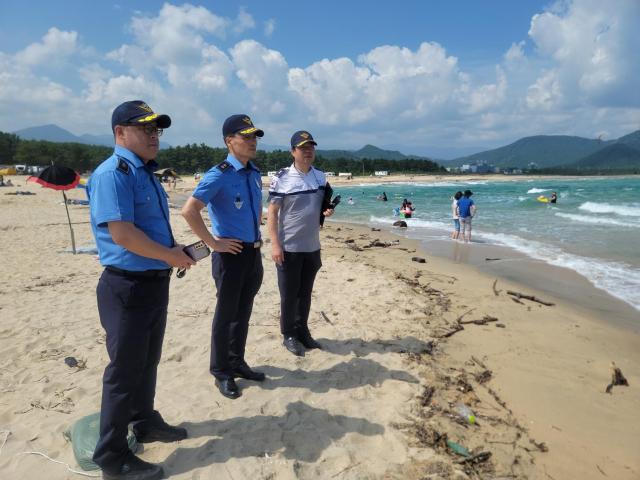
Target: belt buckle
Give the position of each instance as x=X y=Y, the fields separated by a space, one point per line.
x=257 y=244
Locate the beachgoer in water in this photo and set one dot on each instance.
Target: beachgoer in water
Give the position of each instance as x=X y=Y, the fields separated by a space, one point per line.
x=466 y=211
x=350 y=201
x=456 y=219
x=554 y=197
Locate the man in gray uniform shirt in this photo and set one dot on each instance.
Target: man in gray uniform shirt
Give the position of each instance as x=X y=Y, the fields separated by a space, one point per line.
x=295 y=201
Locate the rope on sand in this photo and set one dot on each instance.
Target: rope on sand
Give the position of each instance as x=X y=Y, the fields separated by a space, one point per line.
x=6 y=436
x=61 y=463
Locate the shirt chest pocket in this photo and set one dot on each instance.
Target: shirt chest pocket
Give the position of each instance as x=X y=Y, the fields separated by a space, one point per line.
x=144 y=195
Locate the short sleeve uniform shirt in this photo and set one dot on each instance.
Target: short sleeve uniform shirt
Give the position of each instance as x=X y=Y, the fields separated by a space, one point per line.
x=124 y=189
x=300 y=198
x=233 y=195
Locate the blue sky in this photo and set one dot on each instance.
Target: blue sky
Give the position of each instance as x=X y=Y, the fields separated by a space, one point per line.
x=434 y=78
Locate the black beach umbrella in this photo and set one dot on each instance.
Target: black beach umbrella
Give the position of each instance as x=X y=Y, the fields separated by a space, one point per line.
x=61 y=178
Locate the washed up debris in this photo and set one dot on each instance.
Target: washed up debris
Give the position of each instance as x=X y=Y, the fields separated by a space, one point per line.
x=458 y=449
x=400 y=223
x=519 y=295
x=73 y=363
x=418 y=259
x=617 y=378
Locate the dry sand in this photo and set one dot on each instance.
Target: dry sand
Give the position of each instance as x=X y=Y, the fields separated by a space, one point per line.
x=376 y=403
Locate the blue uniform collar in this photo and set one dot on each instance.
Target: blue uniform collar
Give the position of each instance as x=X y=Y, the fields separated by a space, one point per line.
x=134 y=159
x=237 y=164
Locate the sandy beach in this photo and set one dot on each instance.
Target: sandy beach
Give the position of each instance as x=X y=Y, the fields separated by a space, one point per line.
x=378 y=402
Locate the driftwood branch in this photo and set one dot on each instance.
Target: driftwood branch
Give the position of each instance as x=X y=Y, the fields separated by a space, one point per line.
x=456 y=329
x=496 y=292
x=482 y=321
x=326 y=319
x=516 y=300
x=465 y=313
x=479 y=362
x=519 y=295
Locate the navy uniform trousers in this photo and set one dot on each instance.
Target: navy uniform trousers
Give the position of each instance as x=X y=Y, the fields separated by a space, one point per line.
x=238 y=279
x=133 y=312
x=295 y=281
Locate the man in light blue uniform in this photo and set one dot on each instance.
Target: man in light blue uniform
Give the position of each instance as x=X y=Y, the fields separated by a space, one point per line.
x=130 y=222
x=295 y=201
x=232 y=190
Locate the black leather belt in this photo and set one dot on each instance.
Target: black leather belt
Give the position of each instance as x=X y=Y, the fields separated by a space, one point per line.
x=142 y=273
x=257 y=244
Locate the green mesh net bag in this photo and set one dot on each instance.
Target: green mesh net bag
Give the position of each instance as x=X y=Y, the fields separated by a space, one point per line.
x=83 y=436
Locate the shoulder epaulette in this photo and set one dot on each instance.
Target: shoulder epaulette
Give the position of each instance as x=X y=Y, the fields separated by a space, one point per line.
x=222 y=166
x=123 y=166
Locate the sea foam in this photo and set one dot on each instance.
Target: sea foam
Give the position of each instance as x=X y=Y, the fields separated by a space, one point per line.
x=624 y=210
x=616 y=278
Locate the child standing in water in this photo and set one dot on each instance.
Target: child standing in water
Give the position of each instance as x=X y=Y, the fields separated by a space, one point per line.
x=456 y=219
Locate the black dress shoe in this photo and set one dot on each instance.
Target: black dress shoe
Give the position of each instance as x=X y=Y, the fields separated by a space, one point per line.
x=294 y=346
x=135 y=469
x=308 y=342
x=244 y=371
x=228 y=388
x=158 y=432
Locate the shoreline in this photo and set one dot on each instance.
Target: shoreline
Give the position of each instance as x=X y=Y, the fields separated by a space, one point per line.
x=506 y=263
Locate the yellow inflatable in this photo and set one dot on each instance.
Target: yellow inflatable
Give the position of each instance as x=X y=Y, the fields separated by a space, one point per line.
x=543 y=199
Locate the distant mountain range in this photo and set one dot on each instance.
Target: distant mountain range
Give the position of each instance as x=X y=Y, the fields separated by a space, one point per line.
x=561 y=151
x=368 y=151
x=54 y=133
x=545 y=151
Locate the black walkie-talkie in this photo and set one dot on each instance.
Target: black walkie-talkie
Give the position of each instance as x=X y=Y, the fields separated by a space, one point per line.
x=327 y=203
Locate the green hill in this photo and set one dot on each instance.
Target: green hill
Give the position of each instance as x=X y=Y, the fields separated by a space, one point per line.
x=632 y=140
x=368 y=151
x=618 y=156
x=543 y=150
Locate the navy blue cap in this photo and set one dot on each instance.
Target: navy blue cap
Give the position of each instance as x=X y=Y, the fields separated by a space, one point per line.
x=137 y=112
x=300 y=138
x=241 y=124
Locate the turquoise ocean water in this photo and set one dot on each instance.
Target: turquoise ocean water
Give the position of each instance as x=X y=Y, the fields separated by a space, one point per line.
x=594 y=229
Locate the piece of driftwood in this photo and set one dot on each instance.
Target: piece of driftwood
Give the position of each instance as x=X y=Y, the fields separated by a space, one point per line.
x=479 y=362
x=481 y=321
x=378 y=243
x=516 y=300
x=418 y=259
x=465 y=313
x=519 y=295
x=354 y=247
x=400 y=223
x=326 y=319
x=487 y=259
x=455 y=330
x=501 y=325
x=374 y=229
x=496 y=292
x=617 y=378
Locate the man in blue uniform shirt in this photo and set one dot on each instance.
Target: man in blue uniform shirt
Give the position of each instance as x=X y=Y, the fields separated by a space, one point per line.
x=130 y=221
x=232 y=190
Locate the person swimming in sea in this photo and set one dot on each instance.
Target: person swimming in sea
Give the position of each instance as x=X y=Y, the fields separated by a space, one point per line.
x=553 y=198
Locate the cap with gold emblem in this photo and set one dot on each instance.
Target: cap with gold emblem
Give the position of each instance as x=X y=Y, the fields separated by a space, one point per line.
x=241 y=124
x=300 y=138
x=137 y=112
